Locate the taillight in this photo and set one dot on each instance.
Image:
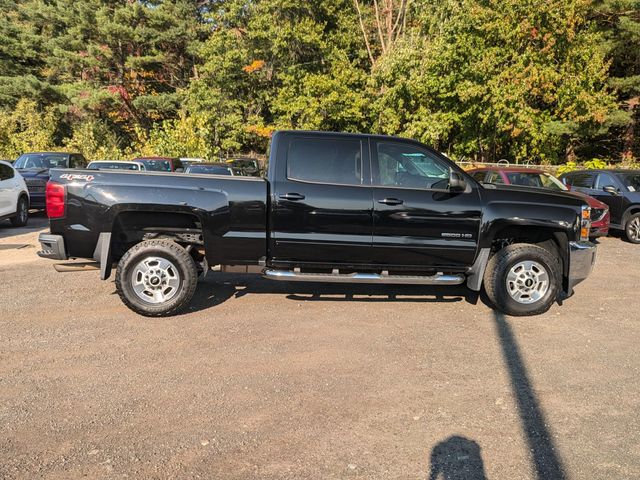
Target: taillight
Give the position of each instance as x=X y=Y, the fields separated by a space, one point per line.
x=56 y=196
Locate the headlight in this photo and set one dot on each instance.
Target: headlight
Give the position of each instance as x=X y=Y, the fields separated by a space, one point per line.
x=585 y=222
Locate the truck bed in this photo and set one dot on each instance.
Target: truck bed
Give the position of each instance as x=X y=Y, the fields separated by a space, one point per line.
x=231 y=211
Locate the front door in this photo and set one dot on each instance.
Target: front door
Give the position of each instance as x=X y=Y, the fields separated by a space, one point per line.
x=615 y=201
x=418 y=223
x=321 y=211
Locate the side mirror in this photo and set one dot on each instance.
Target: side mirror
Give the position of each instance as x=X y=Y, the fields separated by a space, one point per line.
x=610 y=189
x=457 y=183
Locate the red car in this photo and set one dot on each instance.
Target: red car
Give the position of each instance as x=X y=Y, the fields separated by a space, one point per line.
x=529 y=177
x=160 y=164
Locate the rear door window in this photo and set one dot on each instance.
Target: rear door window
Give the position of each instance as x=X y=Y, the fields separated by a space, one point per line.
x=581 y=180
x=331 y=160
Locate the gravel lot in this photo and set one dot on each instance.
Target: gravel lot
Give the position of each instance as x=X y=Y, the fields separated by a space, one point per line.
x=263 y=380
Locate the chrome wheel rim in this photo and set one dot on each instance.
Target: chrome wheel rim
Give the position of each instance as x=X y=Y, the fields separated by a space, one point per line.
x=527 y=282
x=155 y=280
x=634 y=229
x=23 y=212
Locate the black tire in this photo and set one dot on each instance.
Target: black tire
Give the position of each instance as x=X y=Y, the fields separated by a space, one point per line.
x=182 y=272
x=22 y=213
x=496 y=279
x=632 y=228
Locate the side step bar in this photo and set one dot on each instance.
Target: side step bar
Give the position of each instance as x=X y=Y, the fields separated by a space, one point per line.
x=335 y=277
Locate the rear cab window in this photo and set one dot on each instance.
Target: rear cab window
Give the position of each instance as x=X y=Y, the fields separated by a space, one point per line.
x=332 y=160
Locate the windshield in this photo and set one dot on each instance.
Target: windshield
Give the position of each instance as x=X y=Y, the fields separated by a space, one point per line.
x=631 y=181
x=535 y=179
x=155 y=165
x=113 y=166
x=209 y=169
x=42 y=160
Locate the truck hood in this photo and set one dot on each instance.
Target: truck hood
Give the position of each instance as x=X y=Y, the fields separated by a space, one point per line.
x=521 y=194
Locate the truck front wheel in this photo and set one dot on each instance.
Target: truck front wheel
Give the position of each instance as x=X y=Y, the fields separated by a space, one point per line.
x=523 y=279
x=156 y=278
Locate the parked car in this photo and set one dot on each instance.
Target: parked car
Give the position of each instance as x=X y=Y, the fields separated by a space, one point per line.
x=160 y=164
x=619 y=189
x=190 y=161
x=116 y=165
x=210 y=169
x=535 y=178
x=34 y=168
x=14 y=196
x=333 y=208
x=249 y=167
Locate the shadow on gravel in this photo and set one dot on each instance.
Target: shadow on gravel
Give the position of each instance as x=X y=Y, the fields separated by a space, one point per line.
x=37 y=221
x=219 y=287
x=547 y=464
x=457 y=458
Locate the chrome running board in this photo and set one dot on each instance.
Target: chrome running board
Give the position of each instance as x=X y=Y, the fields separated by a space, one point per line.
x=336 y=277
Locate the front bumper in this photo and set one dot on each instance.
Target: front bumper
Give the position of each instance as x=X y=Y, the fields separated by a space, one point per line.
x=582 y=256
x=52 y=247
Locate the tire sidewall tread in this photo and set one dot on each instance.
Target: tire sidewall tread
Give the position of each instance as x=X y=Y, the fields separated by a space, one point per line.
x=498 y=268
x=159 y=248
x=15 y=221
x=626 y=228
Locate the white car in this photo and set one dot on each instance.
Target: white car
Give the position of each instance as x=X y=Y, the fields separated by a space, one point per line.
x=14 y=196
x=116 y=165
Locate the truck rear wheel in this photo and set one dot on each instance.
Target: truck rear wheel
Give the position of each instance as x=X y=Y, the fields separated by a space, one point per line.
x=523 y=279
x=156 y=278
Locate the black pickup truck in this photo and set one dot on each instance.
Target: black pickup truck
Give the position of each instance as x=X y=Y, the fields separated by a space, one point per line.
x=333 y=208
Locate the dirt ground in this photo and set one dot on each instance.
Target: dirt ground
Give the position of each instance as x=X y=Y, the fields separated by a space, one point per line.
x=264 y=380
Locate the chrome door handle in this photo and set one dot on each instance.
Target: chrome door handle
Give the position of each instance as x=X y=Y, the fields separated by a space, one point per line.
x=391 y=201
x=291 y=196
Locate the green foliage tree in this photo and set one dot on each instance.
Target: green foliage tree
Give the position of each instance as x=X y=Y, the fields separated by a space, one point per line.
x=519 y=79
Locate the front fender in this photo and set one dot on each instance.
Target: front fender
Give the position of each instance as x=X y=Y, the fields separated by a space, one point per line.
x=500 y=215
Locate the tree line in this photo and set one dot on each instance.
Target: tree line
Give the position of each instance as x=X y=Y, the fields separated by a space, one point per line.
x=543 y=81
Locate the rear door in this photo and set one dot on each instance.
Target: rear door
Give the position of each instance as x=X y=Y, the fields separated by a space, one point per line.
x=321 y=210
x=418 y=223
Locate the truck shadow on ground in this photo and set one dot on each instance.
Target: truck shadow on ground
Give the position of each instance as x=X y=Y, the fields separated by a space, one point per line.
x=546 y=461
x=217 y=288
x=459 y=458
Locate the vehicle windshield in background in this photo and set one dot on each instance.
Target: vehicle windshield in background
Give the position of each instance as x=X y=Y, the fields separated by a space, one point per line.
x=534 y=179
x=631 y=181
x=209 y=169
x=156 y=165
x=113 y=166
x=42 y=160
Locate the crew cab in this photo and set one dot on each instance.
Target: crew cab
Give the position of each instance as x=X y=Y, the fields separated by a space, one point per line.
x=333 y=208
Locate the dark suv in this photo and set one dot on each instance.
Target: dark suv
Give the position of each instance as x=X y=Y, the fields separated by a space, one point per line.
x=34 y=168
x=620 y=189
